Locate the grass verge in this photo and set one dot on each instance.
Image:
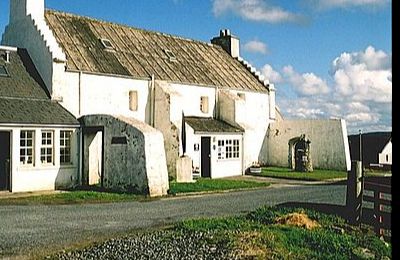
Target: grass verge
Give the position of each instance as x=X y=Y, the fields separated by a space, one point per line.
x=208 y=185
x=316 y=175
x=72 y=197
x=260 y=235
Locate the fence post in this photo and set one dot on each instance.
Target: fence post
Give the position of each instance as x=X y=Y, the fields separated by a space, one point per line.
x=354 y=192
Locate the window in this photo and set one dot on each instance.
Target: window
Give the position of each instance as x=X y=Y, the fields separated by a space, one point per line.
x=133 y=100
x=242 y=96
x=387 y=158
x=204 y=104
x=4 y=71
x=221 y=151
x=46 y=149
x=228 y=149
x=170 y=54
x=65 y=147
x=107 y=44
x=26 y=150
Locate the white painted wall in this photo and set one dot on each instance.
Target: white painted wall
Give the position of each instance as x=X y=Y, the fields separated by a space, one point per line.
x=186 y=98
x=86 y=94
x=219 y=167
x=27 y=29
x=252 y=114
x=42 y=177
x=385 y=157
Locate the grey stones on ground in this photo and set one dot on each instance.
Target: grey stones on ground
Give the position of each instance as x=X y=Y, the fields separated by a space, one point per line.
x=159 y=245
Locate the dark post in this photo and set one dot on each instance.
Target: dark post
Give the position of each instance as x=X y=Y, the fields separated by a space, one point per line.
x=354 y=193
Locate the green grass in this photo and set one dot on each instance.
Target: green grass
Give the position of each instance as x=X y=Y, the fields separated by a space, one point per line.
x=257 y=236
x=316 y=175
x=72 y=197
x=208 y=185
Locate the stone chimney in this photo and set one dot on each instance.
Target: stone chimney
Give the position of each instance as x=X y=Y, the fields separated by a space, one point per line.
x=228 y=42
x=20 y=9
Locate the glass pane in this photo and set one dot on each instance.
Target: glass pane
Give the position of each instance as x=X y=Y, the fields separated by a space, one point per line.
x=22 y=143
x=29 y=134
x=30 y=151
x=29 y=143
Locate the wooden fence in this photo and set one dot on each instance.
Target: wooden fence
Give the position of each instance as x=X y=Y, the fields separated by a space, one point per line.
x=376 y=204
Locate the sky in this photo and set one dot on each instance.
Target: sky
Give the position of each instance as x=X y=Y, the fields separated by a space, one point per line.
x=326 y=58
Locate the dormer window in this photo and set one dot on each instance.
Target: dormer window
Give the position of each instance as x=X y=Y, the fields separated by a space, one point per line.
x=170 y=55
x=4 y=71
x=107 y=44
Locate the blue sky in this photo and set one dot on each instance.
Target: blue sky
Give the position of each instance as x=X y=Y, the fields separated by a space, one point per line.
x=327 y=58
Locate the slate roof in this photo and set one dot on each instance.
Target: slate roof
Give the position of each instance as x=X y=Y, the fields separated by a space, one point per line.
x=23 y=96
x=210 y=125
x=140 y=54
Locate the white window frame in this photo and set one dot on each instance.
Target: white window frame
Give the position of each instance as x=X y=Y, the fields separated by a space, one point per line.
x=65 y=135
x=24 y=159
x=133 y=100
x=47 y=147
x=204 y=105
x=228 y=149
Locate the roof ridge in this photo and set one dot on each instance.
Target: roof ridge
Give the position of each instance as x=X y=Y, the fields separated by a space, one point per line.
x=130 y=27
x=253 y=70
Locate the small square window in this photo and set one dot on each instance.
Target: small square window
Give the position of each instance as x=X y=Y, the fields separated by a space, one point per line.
x=107 y=44
x=204 y=104
x=133 y=100
x=4 y=71
x=170 y=55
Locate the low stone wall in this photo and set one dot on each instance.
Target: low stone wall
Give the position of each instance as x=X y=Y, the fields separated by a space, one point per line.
x=133 y=155
x=329 y=143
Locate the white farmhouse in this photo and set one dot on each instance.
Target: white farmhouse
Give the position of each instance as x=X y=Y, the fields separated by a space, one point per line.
x=144 y=99
x=385 y=156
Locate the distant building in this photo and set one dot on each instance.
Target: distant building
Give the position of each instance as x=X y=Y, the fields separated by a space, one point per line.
x=376 y=148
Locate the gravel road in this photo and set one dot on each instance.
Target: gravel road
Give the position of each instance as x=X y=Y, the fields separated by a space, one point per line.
x=26 y=229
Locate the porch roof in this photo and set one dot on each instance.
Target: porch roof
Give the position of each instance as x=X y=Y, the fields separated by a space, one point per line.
x=211 y=125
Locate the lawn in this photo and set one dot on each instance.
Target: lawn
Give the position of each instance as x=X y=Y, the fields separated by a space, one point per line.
x=316 y=175
x=290 y=233
x=208 y=185
x=72 y=197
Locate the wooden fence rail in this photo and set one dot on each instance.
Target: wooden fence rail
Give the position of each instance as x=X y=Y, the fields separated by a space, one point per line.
x=378 y=193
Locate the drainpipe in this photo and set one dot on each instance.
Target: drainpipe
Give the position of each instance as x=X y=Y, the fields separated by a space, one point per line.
x=80 y=94
x=152 y=101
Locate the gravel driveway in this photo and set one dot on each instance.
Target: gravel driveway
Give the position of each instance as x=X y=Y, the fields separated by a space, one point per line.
x=26 y=229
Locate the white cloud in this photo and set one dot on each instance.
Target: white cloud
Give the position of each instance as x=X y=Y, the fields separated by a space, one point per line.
x=270 y=74
x=364 y=76
x=256 y=46
x=305 y=84
x=360 y=92
x=330 y=4
x=255 y=10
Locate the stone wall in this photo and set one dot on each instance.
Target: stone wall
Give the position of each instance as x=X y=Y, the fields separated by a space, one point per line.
x=133 y=155
x=329 y=143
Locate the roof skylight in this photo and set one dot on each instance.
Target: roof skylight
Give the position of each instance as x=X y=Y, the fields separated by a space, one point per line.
x=107 y=44
x=3 y=71
x=170 y=55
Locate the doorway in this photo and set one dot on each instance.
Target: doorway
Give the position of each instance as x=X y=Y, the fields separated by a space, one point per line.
x=93 y=156
x=5 y=159
x=206 y=157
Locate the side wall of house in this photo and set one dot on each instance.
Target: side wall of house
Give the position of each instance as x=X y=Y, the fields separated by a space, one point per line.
x=86 y=94
x=385 y=157
x=170 y=101
x=250 y=110
x=329 y=143
x=40 y=176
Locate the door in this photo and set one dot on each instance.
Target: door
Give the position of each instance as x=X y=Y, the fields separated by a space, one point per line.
x=206 y=157
x=93 y=156
x=5 y=161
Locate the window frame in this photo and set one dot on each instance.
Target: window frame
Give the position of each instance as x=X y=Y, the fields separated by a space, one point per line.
x=64 y=147
x=26 y=148
x=228 y=149
x=46 y=147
